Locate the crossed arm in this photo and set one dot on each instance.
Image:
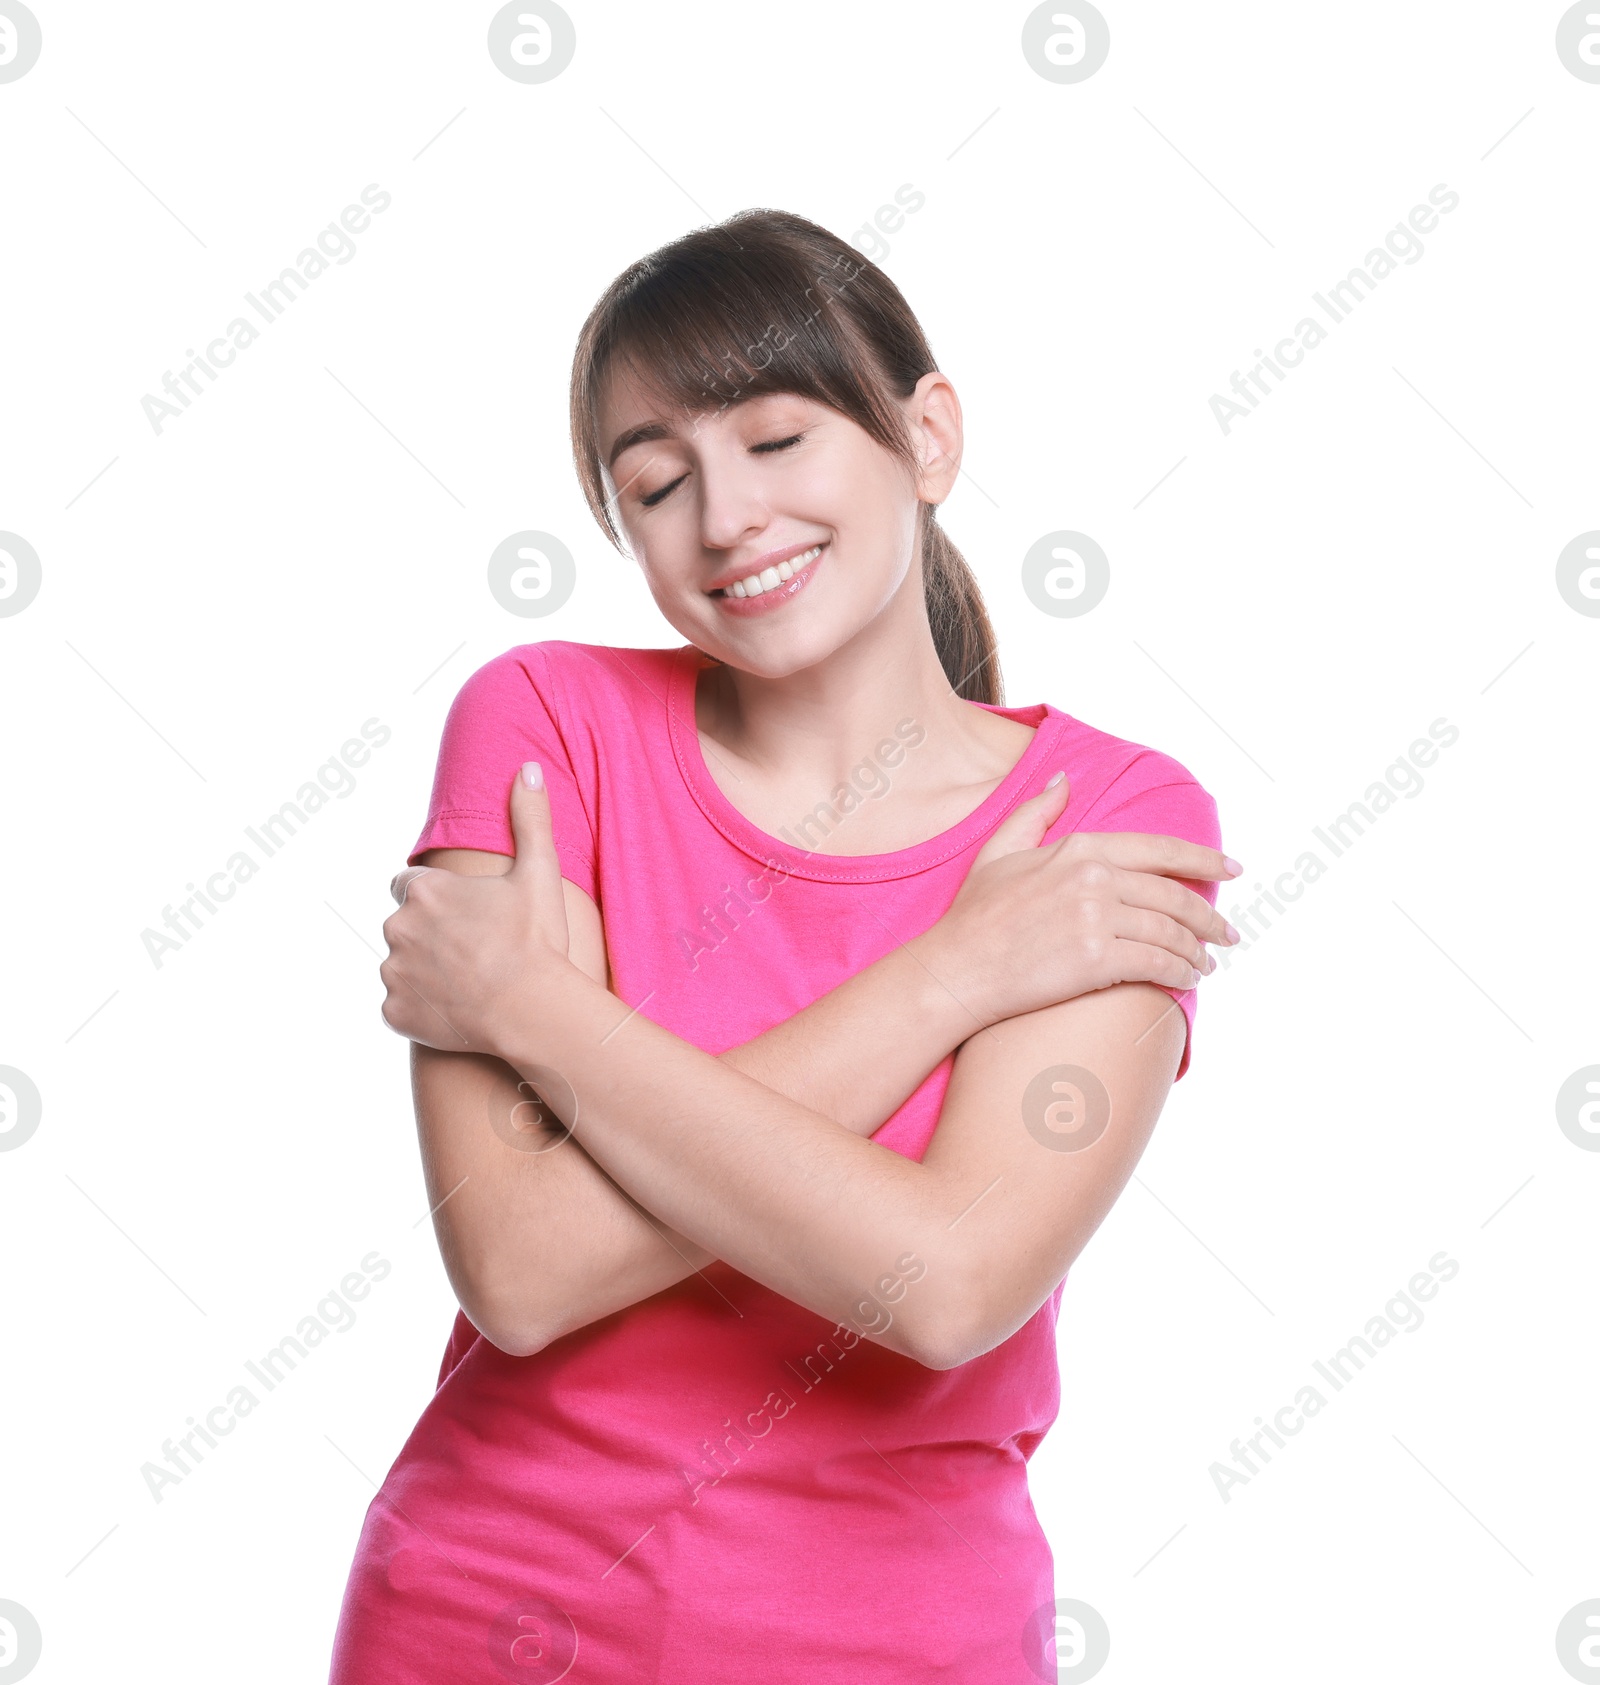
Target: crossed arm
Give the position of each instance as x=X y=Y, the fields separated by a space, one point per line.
x=540 y=1243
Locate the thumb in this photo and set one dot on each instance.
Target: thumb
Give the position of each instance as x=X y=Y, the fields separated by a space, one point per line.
x=1026 y=824
x=535 y=860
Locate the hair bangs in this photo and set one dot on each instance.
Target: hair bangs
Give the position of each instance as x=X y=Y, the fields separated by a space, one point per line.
x=704 y=330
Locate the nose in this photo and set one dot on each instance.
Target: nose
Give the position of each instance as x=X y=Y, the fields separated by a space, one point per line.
x=732 y=503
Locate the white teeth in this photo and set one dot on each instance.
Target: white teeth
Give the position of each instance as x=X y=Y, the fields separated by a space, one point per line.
x=752 y=585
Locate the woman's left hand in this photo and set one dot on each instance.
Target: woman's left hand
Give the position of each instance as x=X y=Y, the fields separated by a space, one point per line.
x=465 y=952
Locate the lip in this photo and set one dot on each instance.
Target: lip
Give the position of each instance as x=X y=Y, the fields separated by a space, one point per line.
x=777 y=596
x=761 y=564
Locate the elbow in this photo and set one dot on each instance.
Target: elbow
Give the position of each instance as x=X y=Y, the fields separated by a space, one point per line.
x=938 y=1356
x=505 y=1332
x=948 y=1343
x=504 y=1324
x=518 y=1344
x=491 y=1321
x=963 y=1321
x=958 y=1337
x=910 y=1309
x=948 y=1329
x=501 y=1291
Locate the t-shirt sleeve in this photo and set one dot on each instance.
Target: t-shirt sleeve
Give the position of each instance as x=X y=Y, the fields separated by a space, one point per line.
x=507 y=712
x=1158 y=797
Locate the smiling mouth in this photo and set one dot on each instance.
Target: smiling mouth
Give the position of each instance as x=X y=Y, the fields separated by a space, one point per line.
x=757 y=584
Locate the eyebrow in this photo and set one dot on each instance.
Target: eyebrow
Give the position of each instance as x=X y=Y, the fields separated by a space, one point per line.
x=642 y=434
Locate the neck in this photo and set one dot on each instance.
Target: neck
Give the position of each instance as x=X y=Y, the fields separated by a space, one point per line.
x=780 y=745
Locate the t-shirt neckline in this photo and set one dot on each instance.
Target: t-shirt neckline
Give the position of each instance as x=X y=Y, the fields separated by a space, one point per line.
x=844 y=868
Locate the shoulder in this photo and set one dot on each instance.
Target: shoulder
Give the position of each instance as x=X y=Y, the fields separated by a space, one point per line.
x=562 y=660
x=571 y=679
x=1116 y=779
x=556 y=702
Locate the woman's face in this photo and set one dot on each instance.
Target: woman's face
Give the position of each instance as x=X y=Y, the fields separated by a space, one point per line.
x=814 y=518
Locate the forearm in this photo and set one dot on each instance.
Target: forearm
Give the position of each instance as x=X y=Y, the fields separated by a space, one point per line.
x=857 y=1053
x=578 y=1247
x=537 y=1240
x=777 y=1189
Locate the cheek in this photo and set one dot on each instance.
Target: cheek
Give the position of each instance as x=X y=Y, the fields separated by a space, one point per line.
x=664 y=546
x=635 y=545
x=877 y=515
x=855 y=493
x=665 y=578
x=849 y=480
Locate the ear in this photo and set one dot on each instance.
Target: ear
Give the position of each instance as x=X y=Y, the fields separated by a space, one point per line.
x=933 y=412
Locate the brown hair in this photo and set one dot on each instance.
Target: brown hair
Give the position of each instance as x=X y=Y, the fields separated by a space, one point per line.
x=813 y=316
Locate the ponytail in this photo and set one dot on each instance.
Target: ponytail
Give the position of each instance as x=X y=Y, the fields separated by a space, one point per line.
x=962 y=633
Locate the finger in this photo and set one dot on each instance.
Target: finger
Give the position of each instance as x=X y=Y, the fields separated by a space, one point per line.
x=1026 y=824
x=1160 y=930
x=1139 y=962
x=398 y=883
x=536 y=861
x=1148 y=851
x=1167 y=895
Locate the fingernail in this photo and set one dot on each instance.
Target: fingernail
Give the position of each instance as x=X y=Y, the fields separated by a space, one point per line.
x=1055 y=781
x=1211 y=964
x=1233 y=935
x=532 y=776
x=1234 y=868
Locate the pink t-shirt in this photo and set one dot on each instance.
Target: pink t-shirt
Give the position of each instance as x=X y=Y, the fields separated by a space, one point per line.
x=717 y=1486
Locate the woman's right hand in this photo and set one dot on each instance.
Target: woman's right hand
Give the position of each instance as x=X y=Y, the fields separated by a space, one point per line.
x=1033 y=925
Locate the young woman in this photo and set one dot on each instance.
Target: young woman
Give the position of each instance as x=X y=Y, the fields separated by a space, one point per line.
x=770 y=1072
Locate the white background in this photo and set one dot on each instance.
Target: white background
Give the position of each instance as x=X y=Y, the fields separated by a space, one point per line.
x=1372 y=549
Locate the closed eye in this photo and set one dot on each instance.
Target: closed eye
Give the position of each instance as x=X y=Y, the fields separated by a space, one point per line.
x=765 y=447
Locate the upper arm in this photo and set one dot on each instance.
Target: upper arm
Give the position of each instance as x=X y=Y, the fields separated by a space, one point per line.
x=510 y=711
x=586 y=940
x=505 y=714
x=1043 y=1122
x=1157 y=796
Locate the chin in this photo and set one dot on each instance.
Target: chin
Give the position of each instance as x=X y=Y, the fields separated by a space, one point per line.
x=774 y=652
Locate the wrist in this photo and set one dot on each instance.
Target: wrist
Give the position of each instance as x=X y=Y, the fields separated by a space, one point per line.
x=947 y=987
x=527 y=1023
